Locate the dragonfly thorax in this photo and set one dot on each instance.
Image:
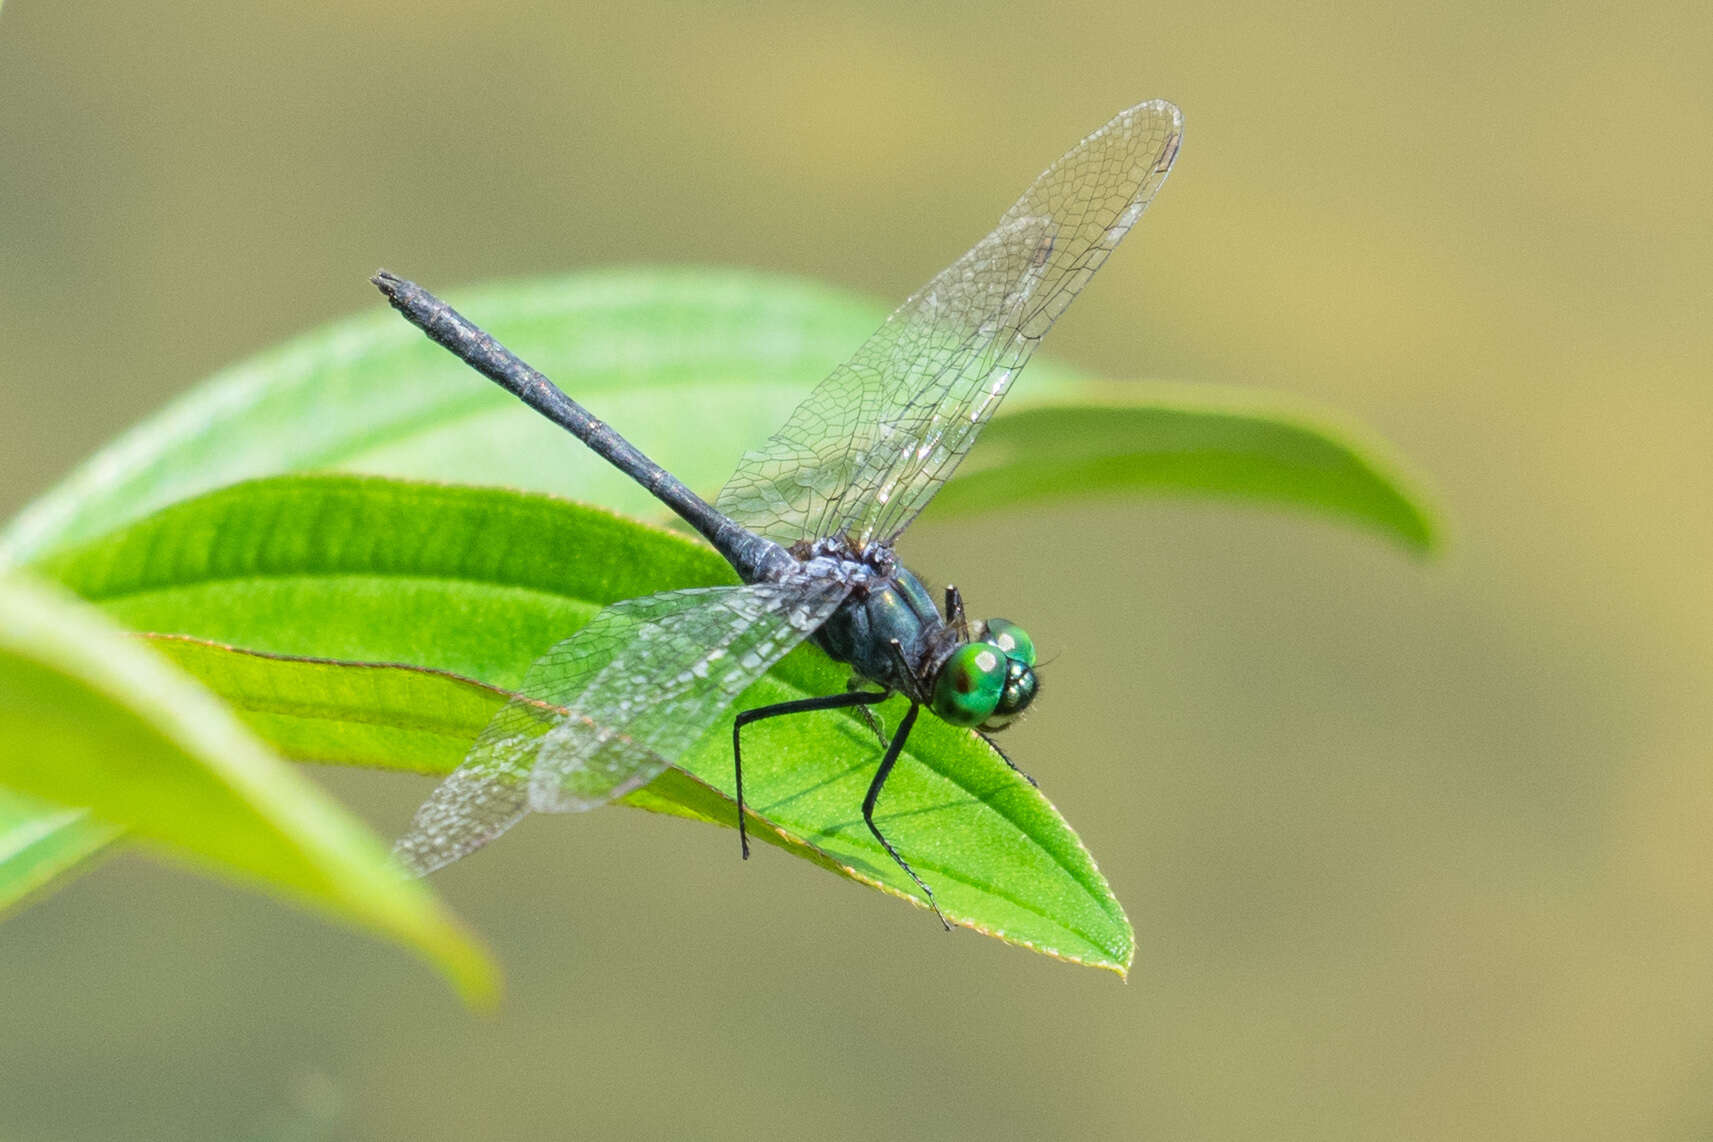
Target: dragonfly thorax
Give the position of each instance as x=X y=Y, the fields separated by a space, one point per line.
x=889 y=631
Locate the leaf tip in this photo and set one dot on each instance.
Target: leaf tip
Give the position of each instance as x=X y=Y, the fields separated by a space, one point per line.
x=456 y=953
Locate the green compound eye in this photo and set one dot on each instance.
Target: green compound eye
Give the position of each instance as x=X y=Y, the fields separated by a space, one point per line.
x=1020 y=689
x=970 y=684
x=1012 y=639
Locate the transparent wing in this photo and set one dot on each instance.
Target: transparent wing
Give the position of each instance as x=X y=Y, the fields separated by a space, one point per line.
x=605 y=711
x=872 y=444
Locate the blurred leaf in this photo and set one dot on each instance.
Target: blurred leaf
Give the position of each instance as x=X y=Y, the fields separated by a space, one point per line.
x=1182 y=438
x=41 y=843
x=479 y=582
x=93 y=719
x=694 y=365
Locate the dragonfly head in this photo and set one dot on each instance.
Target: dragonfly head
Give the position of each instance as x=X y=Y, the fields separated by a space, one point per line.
x=989 y=682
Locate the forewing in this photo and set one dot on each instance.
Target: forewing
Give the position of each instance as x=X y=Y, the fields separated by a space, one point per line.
x=806 y=472
x=606 y=710
x=872 y=444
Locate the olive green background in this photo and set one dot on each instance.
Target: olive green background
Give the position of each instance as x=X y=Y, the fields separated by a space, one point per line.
x=1412 y=850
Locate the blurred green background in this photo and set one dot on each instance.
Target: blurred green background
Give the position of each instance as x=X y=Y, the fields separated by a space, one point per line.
x=1412 y=850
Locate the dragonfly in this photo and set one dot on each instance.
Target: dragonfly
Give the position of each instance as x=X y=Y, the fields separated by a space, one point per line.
x=809 y=521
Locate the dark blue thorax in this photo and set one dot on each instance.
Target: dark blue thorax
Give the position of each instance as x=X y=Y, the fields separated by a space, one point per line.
x=894 y=607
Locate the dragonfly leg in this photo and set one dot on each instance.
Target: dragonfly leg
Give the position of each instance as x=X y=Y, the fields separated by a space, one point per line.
x=886 y=764
x=1006 y=758
x=862 y=698
x=869 y=717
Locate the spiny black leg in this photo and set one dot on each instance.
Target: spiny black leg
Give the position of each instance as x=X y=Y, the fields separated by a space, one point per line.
x=886 y=764
x=779 y=709
x=869 y=717
x=993 y=745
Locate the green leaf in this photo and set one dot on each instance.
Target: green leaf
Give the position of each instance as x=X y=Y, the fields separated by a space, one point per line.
x=477 y=583
x=390 y=716
x=94 y=720
x=1195 y=439
x=376 y=715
